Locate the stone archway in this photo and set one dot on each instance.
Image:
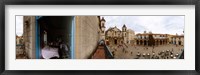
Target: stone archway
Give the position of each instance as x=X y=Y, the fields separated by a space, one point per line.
x=160 y=42
x=141 y=42
x=179 y=42
x=145 y=42
x=137 y=42
x=115 y=41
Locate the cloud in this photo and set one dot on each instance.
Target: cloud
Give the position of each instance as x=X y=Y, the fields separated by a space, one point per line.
x=156 y=24
x=19 y=25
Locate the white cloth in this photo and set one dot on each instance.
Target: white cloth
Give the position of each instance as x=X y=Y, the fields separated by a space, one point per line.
x=49 y=52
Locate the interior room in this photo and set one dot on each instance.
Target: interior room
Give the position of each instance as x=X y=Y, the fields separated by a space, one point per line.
x=54 y=38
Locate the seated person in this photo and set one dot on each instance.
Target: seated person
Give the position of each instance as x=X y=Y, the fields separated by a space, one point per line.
x=63 y=50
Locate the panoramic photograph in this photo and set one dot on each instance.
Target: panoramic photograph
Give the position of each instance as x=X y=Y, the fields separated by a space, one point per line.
x=129 y=37
x=100 y=37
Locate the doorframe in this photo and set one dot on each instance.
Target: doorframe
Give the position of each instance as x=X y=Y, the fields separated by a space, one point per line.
x=72 y=48
x=37 y=36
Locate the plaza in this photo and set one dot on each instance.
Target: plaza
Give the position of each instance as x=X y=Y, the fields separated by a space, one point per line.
x=146 y=52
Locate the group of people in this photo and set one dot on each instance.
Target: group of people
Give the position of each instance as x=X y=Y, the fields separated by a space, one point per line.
x=165 y=54
x=121 y=51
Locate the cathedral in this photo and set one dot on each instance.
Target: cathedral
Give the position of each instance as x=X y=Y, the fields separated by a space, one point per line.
x=115 y=36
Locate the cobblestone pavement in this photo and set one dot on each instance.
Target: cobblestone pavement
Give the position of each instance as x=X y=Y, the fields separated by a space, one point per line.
x=146 y=52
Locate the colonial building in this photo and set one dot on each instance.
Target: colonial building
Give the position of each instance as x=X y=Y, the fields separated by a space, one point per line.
x=177 y=39
x=19 y=40
x=152 y=39
x=130 y=36
x=116 y=36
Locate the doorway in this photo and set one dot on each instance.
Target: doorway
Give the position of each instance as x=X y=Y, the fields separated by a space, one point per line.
x=115 y=41
x=179 y=42
x=56 y=30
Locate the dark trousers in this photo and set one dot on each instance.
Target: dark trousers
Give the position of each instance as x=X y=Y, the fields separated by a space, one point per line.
x=60 y=52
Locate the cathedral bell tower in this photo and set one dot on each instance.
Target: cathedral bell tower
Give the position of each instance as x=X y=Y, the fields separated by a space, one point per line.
x=103 y=28
x=124 y=34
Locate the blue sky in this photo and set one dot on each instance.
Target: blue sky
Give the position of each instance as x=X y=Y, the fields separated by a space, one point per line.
x=156 y=24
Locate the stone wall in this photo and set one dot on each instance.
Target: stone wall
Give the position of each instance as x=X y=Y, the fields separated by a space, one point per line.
x=87 y=35
x=29 y=36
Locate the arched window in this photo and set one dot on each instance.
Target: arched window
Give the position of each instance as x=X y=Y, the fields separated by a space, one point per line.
x=102 y=24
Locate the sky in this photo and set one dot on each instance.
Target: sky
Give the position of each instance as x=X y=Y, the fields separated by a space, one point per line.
x=155 y=24
x=139 y=24
x=19 y=25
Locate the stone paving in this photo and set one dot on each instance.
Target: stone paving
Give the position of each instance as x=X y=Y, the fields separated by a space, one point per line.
x=146 y=52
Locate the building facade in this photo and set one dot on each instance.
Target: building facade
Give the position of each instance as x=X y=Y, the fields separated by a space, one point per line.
x=152 y=39
x=177 y=39
x=19 y=40
x=116 y=36
x=130 y=36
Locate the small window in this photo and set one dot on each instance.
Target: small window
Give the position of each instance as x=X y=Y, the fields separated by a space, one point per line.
x=103 y=24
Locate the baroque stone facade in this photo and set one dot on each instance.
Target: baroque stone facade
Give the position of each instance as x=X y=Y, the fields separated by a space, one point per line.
x=116 y=36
